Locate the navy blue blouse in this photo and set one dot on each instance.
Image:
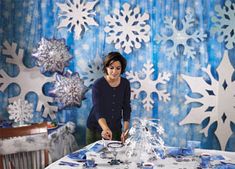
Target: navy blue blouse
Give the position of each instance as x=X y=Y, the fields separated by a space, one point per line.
x=111 y=103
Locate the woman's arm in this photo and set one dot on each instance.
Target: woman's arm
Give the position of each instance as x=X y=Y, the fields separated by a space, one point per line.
x=126 y=112
x=106 y=133
x=125 y=131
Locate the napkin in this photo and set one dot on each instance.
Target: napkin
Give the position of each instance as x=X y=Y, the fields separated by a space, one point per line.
x=79 y=155
x=175 y=151
x=97 y=147
x=225 y=166
x=217 y=157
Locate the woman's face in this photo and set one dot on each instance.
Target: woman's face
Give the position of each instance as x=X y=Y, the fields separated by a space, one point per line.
x=114 y=70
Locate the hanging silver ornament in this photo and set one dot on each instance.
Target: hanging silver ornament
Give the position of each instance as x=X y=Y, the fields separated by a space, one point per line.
x=69 y=90
x=52 y=55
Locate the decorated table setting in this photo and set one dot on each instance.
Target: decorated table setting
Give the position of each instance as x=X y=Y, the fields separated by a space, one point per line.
x=98 y=156
x=145 y=150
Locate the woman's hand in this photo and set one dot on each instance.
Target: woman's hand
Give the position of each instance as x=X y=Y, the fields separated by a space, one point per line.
x=106 y=134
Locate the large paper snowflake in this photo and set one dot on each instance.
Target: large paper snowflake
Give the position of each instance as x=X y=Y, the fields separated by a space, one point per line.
x=224 y=24
x=20 y=111
x=149 y=86
x=127 y=28
x=179 y=37
x=29 y=79
x=52 y=55
x=77 y=15
x=91 y=71
x=217 y=101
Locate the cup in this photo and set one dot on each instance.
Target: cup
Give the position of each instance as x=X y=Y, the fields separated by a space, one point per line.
x=191 y=144
x=148 y=165
x=90 y=163
x=205 y=161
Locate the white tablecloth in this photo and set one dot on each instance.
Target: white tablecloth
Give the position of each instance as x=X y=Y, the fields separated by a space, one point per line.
x=62 y=141
x=168 y=163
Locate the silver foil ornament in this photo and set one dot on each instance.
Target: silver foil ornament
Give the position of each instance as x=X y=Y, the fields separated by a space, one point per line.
x=52 y=55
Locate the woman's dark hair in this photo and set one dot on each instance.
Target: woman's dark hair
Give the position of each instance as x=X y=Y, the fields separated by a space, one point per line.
x=113 y=57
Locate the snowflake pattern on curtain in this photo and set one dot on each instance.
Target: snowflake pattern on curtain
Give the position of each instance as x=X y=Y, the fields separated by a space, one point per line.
x=224 y=24
x=180 y=37
x=91 y=70
x=148 y=85
x=127 y=28
x=77 y=15
x=27 y=21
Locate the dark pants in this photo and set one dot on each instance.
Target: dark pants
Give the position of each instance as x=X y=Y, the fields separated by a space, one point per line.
x=93 y=136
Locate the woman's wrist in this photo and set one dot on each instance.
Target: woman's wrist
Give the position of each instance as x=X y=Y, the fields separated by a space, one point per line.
x=125 y=131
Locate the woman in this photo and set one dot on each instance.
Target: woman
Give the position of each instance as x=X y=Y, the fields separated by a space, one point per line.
x=111 y=102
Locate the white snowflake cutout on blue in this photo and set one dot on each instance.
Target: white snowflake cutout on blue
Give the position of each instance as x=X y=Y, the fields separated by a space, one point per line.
x=225 y=24
x=29 y=80
x=127 y=28
x=77 y=15
x=148 y=85
x=180 y=37
x=20 y=111
x=91 y=70
x=217 y=100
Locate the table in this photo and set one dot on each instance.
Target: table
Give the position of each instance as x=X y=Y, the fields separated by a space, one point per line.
x=168 y=163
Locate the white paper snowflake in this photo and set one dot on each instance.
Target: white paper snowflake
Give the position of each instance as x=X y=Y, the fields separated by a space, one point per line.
x=217 y=100
x=28 y=79
x=77 y=15
x=127 y=28
x=180 y=37
x=148 y=85
x=20 y=111
x=224 y=24
x=91 y=71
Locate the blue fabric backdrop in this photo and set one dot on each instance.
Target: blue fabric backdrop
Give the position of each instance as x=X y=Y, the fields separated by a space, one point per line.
x=25 y=22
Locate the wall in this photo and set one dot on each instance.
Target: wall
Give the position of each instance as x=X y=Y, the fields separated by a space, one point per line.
x=176 y=38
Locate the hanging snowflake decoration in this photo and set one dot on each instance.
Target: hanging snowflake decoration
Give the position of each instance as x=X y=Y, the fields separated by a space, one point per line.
x=28 y=79
x=179 y=37
x=52 y=55
x=68 y=90
x=149 y=86
x=145 y=139
x=224 y=24
x=77 y=15
x=127 y=28
x=20 y=111
x=91 y=71
x=217 y=101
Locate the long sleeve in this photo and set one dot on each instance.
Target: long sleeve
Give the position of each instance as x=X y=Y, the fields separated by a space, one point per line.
x=127 y=103
x=97 y=102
